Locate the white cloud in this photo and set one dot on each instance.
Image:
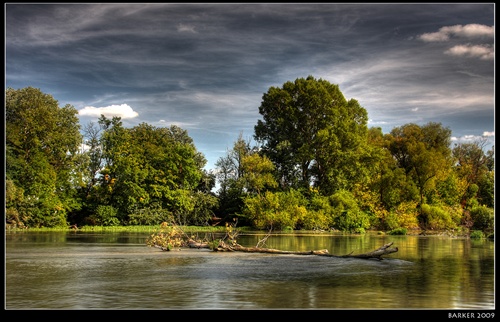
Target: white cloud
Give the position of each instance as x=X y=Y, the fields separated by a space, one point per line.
x=434 y=36
x=470 y=31
x=473 y=138
x=372 y=122
x=84 y=148
x=466 y=31
x=480 y=51
x=465 y=138
x=124 y=111
x=184 y=125
x=185 y=28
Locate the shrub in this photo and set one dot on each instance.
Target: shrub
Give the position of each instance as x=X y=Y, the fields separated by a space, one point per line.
x=398 y=231
x=352 y=221
x=347 y=215
x=476 y=234
x=314 y=220
x=483 y=218
x=276 y=210
x=105 y=216
x=438 y=217
x=150 y=216
x=403 y=216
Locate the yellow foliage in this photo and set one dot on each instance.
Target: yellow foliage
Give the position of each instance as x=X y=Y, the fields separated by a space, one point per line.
x=407 y=214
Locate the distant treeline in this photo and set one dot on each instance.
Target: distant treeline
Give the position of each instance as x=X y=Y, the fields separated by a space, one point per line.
x=315 y=164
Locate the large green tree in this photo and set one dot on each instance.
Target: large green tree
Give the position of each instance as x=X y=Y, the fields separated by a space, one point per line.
x=424 y=153
x=152 y=174
x=475 y=167
x=42 y=140
x=312 y=134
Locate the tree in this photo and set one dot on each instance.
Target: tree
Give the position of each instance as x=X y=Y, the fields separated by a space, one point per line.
x=424 y=154
x=312 y=134
x=473 y=166
x=387 y=180
x=257 y=173
x=41 y=144
x=229 y=171
x=153 y=174
x=94 y=152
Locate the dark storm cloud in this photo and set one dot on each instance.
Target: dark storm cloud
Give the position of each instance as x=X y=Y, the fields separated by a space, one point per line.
x=205 y=67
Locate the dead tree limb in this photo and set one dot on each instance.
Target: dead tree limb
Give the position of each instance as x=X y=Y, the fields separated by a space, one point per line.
x=172 y=236
x=376 y=254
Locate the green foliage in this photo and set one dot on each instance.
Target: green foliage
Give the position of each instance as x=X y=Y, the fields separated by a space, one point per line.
x=317 y=167
x=229 y=175
x=319 y=212
x=424 y=154
x=347 y=215
x=405 y=215
x=181 y=203
x=13 y=198
x=474 y=167
x=151 y=173
x=204 y=207
x=352 y=221
x=105 y=216
x=483 y=218
x=477 y=234
x=438 y=217
x=150 y=215
x=257 y=173
x=276 y=210
x=370 y=204
x=312 y=134
x=398 y=231
x=42 y=141
x=486 y=193
x=469 y=197
x=448 y=190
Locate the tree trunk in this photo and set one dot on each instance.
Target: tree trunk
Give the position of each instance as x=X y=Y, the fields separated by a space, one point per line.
x=224 y=247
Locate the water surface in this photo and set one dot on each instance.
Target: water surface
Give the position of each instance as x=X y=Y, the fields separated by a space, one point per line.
x=118 y=271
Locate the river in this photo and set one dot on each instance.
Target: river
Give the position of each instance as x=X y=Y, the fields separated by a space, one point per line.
x=102 y=271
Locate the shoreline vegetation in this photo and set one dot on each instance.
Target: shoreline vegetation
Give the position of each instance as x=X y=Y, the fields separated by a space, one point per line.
x=314 y=165
x=223 y=229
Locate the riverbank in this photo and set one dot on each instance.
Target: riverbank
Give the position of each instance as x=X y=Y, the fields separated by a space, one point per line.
x=222 y=229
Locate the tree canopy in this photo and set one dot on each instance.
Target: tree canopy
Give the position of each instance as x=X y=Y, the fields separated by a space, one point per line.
x=311 y=133
x=315 y=165
x=41 y=144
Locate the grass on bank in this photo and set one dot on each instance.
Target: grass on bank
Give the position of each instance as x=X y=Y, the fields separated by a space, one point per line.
x=222 y=229
x=138 y=229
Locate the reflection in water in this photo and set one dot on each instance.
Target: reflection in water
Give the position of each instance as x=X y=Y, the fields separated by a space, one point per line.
x=117 y=271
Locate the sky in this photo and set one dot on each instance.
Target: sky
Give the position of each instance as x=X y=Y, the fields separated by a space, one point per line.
x=205 y=66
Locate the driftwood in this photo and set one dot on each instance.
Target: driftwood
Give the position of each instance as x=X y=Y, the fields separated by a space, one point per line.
x=224 y=247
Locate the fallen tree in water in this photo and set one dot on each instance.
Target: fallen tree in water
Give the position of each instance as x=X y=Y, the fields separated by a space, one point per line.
x=171 y=236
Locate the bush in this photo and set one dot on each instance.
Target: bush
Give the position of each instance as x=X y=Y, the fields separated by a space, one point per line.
x=150 y=216
x=105 y=216
x=352 y=221
x=314 y=220
x=404 y=216
x=438 y=217
x=483 y=218
x=398 y=231
x=346 y=213
x=476 y=234
x=276 y=210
